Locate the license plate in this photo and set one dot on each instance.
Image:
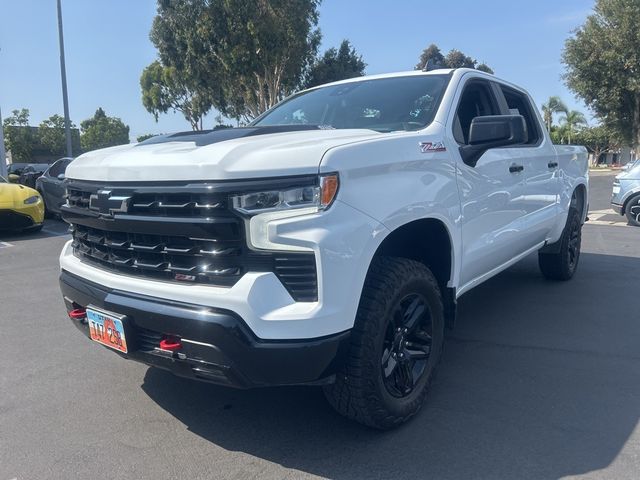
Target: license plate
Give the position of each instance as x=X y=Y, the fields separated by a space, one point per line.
x=107 y=329
x=616 y=190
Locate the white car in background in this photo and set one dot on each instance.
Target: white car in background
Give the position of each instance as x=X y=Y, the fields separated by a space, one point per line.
x=625 y=198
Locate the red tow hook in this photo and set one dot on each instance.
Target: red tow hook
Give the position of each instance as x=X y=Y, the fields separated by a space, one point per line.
x=78 y=314
x=170 y=343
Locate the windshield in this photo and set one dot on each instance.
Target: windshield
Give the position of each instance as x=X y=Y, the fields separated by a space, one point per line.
x=385 y=104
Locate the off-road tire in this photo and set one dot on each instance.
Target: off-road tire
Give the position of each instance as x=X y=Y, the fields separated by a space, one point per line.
x=562 y=265
x=359 y=391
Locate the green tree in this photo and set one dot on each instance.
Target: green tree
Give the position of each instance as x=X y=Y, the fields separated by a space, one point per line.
x=146 y=136
x=603 y=66
x=245 y=55
x=598 y=140
x=220 y=125
x=572 y=120
x=554 y=105
x=558 y=134
x=166 y=88
x=52 y=135
x=431 y=53
x=334 y=65
x=457 y=59
x=454 y=59
x=101 y=131
x=483 y=67
x=18 y=136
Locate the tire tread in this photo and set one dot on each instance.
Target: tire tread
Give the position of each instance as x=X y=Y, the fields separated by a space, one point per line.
x=354 y=394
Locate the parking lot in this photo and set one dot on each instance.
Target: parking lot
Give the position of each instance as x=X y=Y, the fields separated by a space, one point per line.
x=539 y=380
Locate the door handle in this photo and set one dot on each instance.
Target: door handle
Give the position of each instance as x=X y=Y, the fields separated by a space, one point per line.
x=516 y=168
x=552 y=165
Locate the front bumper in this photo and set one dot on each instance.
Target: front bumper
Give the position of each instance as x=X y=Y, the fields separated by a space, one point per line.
x=343 y=240
x=19 y=219
x=218 y=346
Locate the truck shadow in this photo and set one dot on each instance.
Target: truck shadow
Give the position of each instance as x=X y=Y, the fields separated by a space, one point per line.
x=539 y=380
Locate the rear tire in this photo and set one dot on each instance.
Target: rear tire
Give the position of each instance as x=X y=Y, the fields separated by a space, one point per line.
x=396 y=345
x=563 y=264
x=632 y=211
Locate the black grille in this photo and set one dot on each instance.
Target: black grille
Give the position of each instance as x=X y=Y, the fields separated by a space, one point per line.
x=78 y=198
x=142 y=202
x=161 y=256
x=176 y=235
x=298 y=274
x=11 y=220
x=148 y=340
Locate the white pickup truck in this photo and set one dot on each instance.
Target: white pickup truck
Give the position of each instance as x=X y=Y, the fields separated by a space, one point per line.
x=327 y=242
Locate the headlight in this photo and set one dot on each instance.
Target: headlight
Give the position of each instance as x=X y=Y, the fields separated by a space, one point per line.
x=318 y=197
x=32 y=200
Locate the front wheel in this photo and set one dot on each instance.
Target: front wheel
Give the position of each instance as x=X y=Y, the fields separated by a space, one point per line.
x=396 y=344
x=562 y=264
x=632 y=212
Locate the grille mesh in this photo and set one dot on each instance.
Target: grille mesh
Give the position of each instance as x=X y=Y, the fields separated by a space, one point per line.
x=156 y=238
x=161 y=256
x=147 y=339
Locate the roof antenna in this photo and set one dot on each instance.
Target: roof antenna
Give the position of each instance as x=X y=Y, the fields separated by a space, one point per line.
x=432 y=64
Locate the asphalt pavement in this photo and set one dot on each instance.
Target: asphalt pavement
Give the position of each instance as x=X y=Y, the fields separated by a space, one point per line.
x=539 y=380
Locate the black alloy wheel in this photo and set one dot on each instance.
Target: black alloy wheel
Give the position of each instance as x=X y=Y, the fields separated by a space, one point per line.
x=407 y=345
x=574 y=244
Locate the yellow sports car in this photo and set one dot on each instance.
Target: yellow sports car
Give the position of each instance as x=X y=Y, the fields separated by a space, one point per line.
x=21 y=208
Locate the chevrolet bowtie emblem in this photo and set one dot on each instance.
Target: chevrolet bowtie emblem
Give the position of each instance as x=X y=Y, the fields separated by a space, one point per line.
x=107 y=205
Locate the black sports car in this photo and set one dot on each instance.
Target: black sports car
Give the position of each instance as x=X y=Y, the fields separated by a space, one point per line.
x=50 y=185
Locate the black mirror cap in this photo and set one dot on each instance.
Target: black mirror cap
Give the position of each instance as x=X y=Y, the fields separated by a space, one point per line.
x=498 y=129
x=493 y=131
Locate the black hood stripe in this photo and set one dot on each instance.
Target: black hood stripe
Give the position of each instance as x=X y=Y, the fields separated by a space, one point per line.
x=208 y=137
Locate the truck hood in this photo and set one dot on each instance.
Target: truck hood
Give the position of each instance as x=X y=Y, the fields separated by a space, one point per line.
x=249 y=152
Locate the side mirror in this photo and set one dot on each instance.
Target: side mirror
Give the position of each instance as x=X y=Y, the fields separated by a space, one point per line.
x=493 y=131
x=61 y=177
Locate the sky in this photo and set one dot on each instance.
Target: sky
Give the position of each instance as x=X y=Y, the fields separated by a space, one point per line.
x=107 y=46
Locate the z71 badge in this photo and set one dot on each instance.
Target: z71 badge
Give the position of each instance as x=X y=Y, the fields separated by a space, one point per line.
x=427 y=147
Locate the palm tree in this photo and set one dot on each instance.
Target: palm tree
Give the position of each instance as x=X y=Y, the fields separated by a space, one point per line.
x=571 y=120
x=553 y=105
